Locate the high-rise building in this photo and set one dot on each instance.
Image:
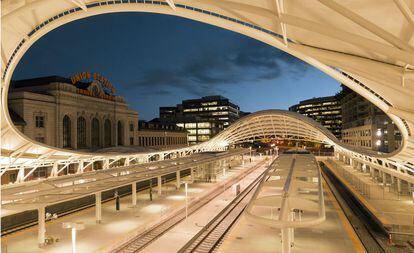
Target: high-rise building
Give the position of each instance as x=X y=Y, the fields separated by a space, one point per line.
x=202 y=118
x=325 y=110
x=365 y=125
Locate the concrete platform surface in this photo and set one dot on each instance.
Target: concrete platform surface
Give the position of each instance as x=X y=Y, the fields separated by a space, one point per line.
x=335 y=235
x=115 y=224
x=177 y=237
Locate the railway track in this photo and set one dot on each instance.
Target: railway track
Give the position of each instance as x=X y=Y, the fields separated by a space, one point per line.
x=147 y=237
x=212 y=235
x=372 y=235
x=23 y=226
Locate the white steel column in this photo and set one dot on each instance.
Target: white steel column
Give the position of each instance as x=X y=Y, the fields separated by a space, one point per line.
x=399 y=185
x=134 y=193
x=55 y=170
x=159 y=185
x=41 y=226
x=177 y=174
x=286 y=240
x=98 y=207
x=192 y=174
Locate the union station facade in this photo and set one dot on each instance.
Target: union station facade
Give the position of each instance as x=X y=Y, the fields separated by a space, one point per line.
x=81 y=112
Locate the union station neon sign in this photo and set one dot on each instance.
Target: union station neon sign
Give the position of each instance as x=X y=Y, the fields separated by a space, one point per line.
x=88 y=76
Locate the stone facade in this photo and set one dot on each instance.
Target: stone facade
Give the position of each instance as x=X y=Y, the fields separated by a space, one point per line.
x=161 y=135
x=61 y=114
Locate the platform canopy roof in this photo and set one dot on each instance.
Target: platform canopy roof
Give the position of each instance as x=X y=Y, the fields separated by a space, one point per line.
x=366 y=45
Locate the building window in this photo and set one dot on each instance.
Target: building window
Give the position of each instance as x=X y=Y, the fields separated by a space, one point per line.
x=40 y=121
x=40 y=139
x=131 y=141
x=120 y=134
x=107 y=133
x=81 y=132
x=131 y=127
x=95 y=133
x=66 y=132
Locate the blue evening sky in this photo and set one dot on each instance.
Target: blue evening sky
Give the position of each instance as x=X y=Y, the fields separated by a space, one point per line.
x=157 y=60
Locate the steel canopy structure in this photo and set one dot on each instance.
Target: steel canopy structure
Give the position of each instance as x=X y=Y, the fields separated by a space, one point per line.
x=368 y=46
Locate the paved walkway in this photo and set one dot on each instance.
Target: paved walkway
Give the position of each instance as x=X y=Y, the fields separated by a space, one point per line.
x=396 y=212
x=335 y=235
x=177 y=237
x=115 y=224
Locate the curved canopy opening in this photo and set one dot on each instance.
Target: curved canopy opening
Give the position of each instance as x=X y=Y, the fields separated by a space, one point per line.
x=373 y=51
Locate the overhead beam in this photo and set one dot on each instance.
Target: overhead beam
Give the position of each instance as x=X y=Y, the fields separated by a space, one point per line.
x=30 y=173
x=79 y=3
x=405 y=10
x=23 y=148
x=354 y=39
x=171 y=4
x=367 y=25
x=280 y=10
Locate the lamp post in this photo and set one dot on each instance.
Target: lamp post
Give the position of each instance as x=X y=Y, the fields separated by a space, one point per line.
x=74 y=226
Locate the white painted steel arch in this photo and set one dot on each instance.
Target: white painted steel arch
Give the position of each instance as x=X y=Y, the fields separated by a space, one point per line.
x=371 y=41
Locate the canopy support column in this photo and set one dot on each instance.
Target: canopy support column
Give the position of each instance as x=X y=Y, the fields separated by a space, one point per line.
x=41 y=226
x=98 y=207
x=159 y=185
x=178 y=182
x=134 y=193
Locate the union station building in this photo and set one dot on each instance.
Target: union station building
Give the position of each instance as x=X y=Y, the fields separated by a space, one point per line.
x=81 y=112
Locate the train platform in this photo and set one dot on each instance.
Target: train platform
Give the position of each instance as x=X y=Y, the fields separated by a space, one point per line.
x=115 y=225
x=335 y=234
x=394 y=211
x=177 y=237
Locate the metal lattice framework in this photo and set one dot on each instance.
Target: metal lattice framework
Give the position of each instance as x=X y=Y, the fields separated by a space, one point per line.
x=366 y=45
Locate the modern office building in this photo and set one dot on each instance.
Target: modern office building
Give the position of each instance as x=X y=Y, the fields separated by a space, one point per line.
x=325 y=110
x=365 y=125
x=202 y=118
x=198 y=129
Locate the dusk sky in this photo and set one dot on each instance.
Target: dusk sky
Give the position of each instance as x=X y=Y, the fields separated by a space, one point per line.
x=156 y=60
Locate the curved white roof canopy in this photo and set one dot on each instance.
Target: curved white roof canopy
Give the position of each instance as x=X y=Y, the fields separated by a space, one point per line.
x=273 y=124
x=371 y=40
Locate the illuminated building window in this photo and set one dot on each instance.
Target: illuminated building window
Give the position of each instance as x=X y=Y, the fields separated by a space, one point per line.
x=40 y=121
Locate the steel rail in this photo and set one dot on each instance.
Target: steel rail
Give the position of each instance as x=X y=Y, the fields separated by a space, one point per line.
x=145 y=238
x=212 y=235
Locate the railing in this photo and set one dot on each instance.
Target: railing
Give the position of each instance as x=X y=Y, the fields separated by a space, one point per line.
x=375 y=190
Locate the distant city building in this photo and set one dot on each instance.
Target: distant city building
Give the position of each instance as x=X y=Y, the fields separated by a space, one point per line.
x=81 y=112
x=325 y=110
x=242 y=113
x=365 y=125
x=161 y=134
x=202 y=118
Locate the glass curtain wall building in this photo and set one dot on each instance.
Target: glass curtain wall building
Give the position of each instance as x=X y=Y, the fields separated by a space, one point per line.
x=325 y=110
x=203 y=117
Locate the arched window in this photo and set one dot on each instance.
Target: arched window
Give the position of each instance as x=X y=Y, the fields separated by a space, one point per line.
x=120 y=134
x=66 y=132
x=81 y=132
x=107 y=133
x=95 y=133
